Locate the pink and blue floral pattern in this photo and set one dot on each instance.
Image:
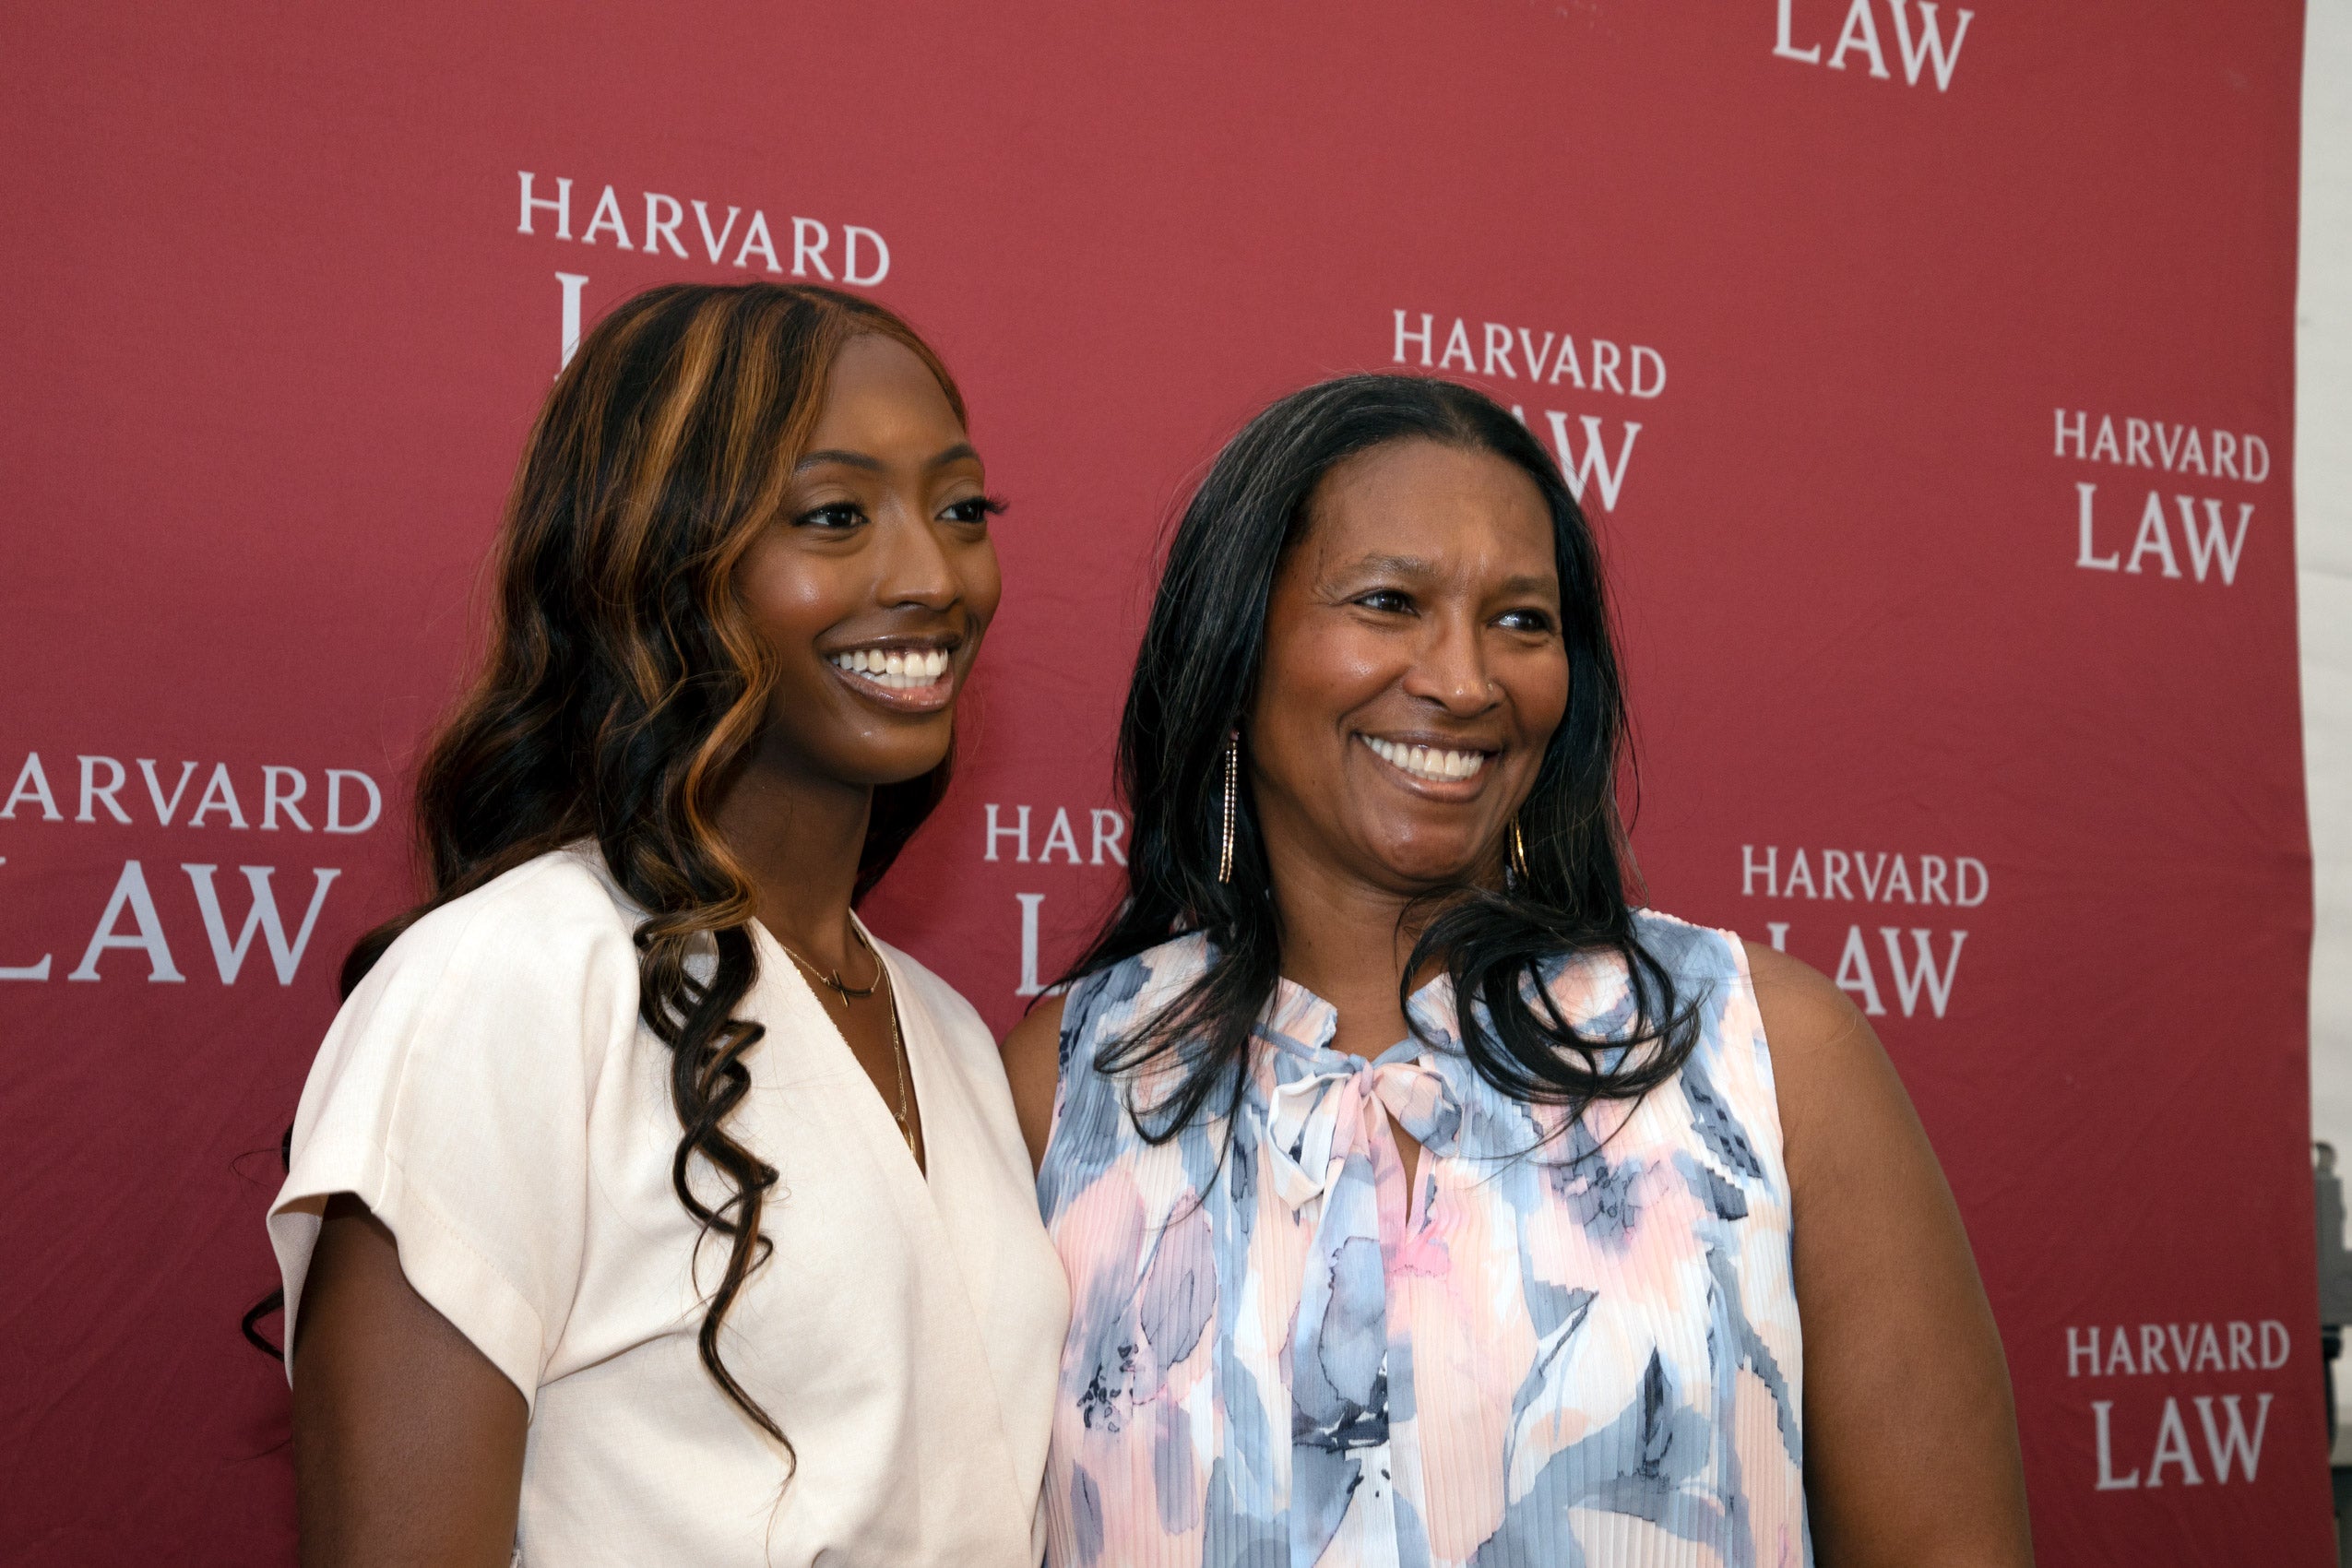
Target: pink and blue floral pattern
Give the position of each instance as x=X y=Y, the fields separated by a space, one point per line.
x=1569 y=1343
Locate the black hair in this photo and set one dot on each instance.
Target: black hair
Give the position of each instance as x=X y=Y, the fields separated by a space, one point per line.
x=1195 y=676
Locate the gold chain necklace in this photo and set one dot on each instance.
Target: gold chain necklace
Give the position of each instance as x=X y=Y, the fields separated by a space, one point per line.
x=902 y=1112
x=833 y=980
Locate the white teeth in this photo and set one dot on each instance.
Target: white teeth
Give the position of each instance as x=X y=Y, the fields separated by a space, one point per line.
x=897 y=670
x=1427 y=762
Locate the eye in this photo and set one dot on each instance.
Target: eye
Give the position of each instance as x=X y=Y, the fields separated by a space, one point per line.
x=835 y=516
x=1527 y=620
x=974 y=511
x=1388 y=601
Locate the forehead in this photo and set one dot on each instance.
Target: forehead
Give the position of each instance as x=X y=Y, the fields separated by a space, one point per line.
x=879 y=393
x=1459 y=509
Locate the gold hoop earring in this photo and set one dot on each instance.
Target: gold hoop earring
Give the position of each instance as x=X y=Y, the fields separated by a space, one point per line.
x=1232 y=785
x=1518 y=851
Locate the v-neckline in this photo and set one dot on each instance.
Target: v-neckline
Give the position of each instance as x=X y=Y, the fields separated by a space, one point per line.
x=935 y=1215
x=915 y=1086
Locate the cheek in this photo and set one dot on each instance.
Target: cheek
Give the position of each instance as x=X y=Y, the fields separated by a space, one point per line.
x=1313 y=679
x=1540 y=696
x=791 y=597
x=1311 y=682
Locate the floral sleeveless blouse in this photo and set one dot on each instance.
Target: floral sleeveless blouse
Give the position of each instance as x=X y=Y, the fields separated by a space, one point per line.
x=1566 y=1344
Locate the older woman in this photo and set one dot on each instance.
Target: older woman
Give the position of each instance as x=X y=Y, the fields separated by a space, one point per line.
x=1423 y=1201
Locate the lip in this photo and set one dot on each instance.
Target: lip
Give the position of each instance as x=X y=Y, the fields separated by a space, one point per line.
x=1448 y=790
x=940 y=694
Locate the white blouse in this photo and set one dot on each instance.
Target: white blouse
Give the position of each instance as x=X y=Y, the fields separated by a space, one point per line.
x=490 y=1093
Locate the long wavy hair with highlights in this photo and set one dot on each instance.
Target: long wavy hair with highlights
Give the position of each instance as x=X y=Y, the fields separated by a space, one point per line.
x=624 y=685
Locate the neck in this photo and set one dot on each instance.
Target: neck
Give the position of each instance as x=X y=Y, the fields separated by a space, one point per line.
x=799 y=834
x=1345 y=939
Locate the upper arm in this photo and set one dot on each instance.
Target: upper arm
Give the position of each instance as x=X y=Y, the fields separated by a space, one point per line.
x=1033 y=1063
x=433 y=1226
x=452 y=1097
x=408 y=1440
x=1911 y=1452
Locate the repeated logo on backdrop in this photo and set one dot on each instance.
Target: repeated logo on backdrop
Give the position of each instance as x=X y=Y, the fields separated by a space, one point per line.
x=272 y=798
x=2182 y=521
x=1006 y=833
x=2140 y=1433
x=862 y=258
x=1594 y=450
x=1919 y=46
x=1892 y=893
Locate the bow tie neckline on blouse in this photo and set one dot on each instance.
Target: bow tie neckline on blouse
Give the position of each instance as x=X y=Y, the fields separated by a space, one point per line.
x=1326 y=1104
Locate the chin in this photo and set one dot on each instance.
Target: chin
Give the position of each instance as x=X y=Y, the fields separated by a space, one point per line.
x=1431 y=866
x=883 y=773
x=874 y=754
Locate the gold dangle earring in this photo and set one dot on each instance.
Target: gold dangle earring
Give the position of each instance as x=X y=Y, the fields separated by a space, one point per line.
x=1232 y=785
x=1518 y=852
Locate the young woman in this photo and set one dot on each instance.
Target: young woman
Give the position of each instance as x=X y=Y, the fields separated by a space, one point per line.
x=1422 y=1202
x=643 y=1206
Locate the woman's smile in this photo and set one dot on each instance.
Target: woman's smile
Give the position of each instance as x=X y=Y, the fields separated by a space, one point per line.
x=1429 y=766
x=903 y=676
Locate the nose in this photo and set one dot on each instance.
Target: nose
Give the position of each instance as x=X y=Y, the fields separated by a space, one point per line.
x=1450 y=668
x=915 y=571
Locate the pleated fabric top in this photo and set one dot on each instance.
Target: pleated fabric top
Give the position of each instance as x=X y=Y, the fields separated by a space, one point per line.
x=1567 y=1344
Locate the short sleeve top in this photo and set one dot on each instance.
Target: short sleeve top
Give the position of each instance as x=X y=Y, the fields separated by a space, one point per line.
x=1570 y=1342
x=490 y=1093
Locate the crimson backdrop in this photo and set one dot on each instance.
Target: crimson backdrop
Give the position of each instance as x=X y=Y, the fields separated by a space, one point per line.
x=1935 y=400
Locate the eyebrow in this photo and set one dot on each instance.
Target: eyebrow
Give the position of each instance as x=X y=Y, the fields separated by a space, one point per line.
x=1414 y=566
x=1402 y=566
x=955 y=454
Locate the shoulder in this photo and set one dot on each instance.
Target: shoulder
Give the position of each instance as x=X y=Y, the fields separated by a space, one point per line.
x=1838 y=1089
x=1057 y=1040
x=551 y=940
x=1034 y=1044
x=1696 y=956
x=1799 y=1011
x=1038 y=1048
x=1818 y=1037
x=1120 y=997
x=1107 y=1000
x=556 y=912
x=1803 y=1014
x=1703 y=974
x=1033 y=1070
x=1100 y=1004
x=1773 y=1030
x=1805 y=1021
x=490 y=1022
